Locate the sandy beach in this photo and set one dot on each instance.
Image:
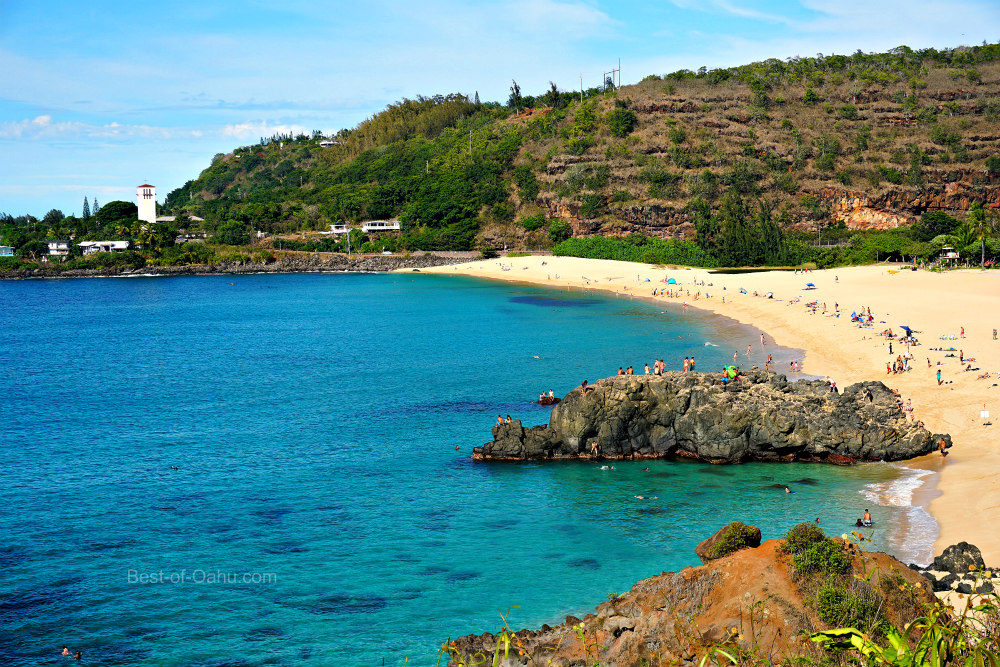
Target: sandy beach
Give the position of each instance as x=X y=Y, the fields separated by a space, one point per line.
x=963 y=495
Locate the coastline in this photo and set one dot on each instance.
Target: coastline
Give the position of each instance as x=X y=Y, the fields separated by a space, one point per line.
x=287 y=263
x=961 y=495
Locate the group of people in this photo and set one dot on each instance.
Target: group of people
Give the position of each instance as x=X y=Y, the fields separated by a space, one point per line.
x=501 y=420
x=76 y=656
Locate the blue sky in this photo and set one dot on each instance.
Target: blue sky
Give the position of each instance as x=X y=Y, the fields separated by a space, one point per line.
x=97 y=97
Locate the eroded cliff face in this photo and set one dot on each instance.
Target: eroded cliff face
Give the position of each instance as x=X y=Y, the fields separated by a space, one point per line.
x=949 y=191
x=673 y=617
x=760 y=417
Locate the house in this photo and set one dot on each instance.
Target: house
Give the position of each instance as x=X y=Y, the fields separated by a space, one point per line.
x=58 y=248
x=90 y=247
x=173 y=218
x=380 y=226
x=6 y=251
x=339 y=228
x=327 y=143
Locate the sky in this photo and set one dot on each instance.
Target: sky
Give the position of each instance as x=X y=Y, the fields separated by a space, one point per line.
x=98 y=97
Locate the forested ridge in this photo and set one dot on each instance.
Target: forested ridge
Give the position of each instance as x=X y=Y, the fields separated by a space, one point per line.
x=890 y=154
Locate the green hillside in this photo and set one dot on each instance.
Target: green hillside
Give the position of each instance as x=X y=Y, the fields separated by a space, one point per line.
x=848 y=143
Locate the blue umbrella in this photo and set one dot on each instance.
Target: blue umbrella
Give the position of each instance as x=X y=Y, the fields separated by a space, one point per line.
x=671 y=282
x=810 y=285
x=907 y=329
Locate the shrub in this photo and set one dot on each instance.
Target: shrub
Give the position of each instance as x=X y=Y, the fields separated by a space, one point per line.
x=621 y=122
x=801 y=536
x=532 y=222
x=592 y=205
x=857 y=607
x=9 y=263
x=736 y=536
x=488 y=253
x=993 y=164
x=559 y=230
x=848 y=112
x=825 y=557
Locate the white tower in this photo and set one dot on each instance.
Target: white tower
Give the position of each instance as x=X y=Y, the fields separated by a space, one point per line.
x=145 y=196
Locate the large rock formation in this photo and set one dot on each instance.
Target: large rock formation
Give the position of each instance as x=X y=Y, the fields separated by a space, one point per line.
x=760 y=417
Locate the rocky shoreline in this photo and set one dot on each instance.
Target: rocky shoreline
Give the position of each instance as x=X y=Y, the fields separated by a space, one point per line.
x=760 y=417
x=305 y=263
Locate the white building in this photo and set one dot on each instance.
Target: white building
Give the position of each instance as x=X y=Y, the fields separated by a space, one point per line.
x=145 y=196
x=6 y=251
x=58 y=248
x=339 y=228
x=380 y=226
x=90 y=247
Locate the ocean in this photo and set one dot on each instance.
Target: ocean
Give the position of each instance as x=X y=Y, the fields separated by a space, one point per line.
x=274 y=469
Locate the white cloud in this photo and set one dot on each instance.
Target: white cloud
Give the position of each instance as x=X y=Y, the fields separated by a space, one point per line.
x=43 y=127
x=257 y=129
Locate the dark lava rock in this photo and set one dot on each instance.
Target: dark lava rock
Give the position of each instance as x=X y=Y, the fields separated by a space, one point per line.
x=761 y=417
x=959 y=559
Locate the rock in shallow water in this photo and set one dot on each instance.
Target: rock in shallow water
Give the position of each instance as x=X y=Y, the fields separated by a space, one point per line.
x=762 y=417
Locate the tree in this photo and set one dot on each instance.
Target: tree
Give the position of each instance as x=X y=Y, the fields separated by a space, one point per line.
x=515 y=99
x=96 y=207
x=810 y=97
x=53 y=218
x=933 y=224
x=560 y=230
x=232 y=232
x=980 y=226
x=86 y=209
x=116 y=213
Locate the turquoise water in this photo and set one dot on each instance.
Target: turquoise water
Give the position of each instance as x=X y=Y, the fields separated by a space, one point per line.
x=320 y=513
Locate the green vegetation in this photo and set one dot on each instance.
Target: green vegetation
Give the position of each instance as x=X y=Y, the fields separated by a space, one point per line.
x=747 y=157
x=736 y=536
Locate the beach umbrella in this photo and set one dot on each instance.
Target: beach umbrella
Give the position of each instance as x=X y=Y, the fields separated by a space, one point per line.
x=907 y=329
x=810 y=285
x=671 y=282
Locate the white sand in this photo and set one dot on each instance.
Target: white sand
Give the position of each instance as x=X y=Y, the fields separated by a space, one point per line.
x=935 y=304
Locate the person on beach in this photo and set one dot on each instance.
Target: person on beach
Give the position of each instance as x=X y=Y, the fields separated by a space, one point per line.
x=507 y=420
x=583 y=386
x=941 y=447
x=593 y=448
x=621 y=371
x=939 y=377
x=748 y=351
x=994 y=334
x=692 y=364
x=961 y=333
x=762 y=340
x=647 y=369
x=685 y=364
x=735 y=355
x=499 y=420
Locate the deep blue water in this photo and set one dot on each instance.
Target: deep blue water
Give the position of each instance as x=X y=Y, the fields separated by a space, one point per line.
x=313 y=421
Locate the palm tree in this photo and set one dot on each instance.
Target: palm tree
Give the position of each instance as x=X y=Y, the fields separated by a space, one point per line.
x=981 y=225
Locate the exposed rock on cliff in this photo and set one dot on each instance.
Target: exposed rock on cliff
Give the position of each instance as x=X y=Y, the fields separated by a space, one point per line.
x=761 y=417
x=751 y=597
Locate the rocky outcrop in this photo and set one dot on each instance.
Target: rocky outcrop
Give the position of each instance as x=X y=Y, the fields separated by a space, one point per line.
x=750 y=598
x=760 y=417
x=727 y=540
x=292 y=263
x=961 y=568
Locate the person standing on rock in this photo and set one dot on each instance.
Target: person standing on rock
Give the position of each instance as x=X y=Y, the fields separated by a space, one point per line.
x=685 y=364
x=692 y=364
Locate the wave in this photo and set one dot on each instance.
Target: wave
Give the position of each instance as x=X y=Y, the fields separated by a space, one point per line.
x=708 y=344
x=913 y=542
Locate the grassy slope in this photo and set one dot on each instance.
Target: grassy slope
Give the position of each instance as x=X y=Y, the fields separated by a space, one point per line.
x=924 y=122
